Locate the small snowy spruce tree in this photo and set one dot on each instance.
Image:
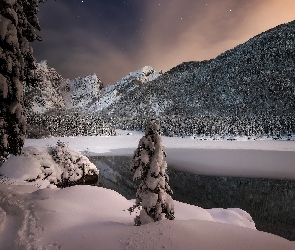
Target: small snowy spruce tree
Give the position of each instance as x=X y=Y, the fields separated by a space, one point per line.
x=152 y=195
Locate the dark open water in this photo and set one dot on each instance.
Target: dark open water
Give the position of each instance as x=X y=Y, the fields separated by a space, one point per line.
x=270 y=202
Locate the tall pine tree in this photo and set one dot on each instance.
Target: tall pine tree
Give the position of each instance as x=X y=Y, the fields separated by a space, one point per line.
x=18 y=26
x=152 y=195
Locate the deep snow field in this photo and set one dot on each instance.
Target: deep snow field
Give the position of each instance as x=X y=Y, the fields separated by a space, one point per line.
x=88 y=217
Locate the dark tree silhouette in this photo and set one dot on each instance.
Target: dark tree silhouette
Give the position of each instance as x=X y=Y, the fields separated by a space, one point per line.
x=18 y=26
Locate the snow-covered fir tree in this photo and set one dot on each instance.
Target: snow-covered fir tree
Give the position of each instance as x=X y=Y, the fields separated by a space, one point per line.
x=18 y=25
x=153 y=193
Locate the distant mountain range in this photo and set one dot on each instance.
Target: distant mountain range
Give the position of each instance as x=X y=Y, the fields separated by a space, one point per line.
x=83 y=93
x=254 y=78
x=54 y=92
x=45 y=95
x=247 y=90
x=114 y=94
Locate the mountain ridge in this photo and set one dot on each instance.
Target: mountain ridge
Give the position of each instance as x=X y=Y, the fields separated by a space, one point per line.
x=53 y=92
x=269 y=57
x=247 y=90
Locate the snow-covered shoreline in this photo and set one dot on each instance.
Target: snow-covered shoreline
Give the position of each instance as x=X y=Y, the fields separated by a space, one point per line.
x=90 y=217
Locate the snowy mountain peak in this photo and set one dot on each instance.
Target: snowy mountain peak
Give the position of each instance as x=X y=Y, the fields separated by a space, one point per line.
x=44 y=64
x=113 y=93
x=55 y=92
x=46 y=95
x=145 y=74
x=82 y=91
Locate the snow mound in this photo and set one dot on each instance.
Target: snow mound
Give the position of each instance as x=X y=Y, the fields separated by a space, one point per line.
x=235 y=216
x=47 y=167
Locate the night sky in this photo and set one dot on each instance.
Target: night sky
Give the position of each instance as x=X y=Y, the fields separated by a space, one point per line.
x=114 y=37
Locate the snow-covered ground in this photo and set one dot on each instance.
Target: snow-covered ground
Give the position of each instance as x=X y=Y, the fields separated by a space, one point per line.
x=85 y=217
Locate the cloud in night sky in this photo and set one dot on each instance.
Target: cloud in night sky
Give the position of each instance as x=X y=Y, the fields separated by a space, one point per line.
x=112 y=39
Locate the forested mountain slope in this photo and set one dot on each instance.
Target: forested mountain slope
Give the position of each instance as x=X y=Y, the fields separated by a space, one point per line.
x=254 y=82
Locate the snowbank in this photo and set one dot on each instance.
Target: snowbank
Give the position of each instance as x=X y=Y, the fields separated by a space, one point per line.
x=86 y=217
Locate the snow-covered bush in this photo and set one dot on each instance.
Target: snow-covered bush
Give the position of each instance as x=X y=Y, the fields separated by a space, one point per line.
x=152 y=195
x=52 y=166
x=76 y=168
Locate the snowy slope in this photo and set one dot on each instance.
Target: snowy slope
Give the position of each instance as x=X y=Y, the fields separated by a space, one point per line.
x=47 y=94
x=72 y=219
x=58 y=218
x=253 y=78
x=54 y=92
x=83 y=91
x=247 y=90
x=112 y=94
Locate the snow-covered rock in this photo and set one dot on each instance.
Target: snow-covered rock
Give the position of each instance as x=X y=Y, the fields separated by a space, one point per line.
x=54 y=92
x=83 y=91
x=46 y=95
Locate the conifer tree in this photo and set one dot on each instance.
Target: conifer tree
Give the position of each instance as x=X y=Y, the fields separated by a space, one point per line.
x=153 y=194
x=18 y=25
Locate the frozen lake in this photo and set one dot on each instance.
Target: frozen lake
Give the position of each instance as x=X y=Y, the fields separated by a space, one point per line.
x=260 y=158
